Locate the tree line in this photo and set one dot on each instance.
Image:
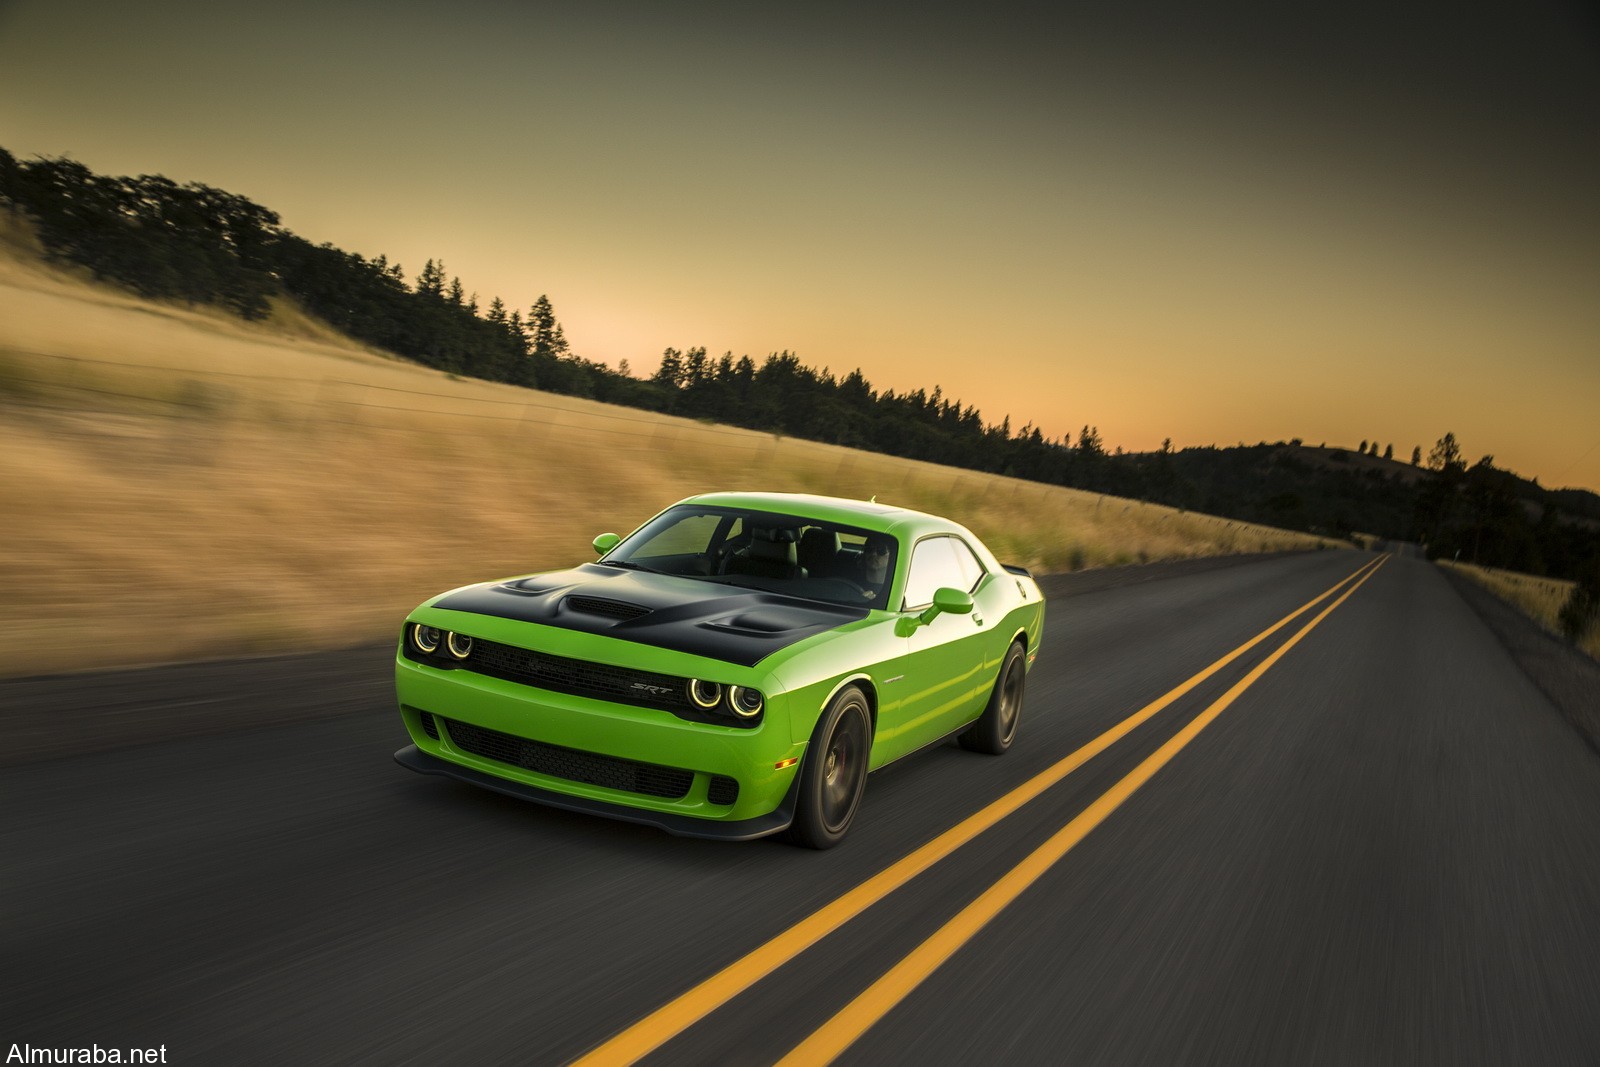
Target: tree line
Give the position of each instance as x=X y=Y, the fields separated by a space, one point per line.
x=195 y=243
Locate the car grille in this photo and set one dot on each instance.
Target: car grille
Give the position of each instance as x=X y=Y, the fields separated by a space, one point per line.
x=628 y=776
x=561 y=674
x=428 y=725
x=623 y=685
x=610 y=609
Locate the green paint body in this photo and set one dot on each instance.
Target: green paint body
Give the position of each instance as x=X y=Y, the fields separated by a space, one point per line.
x=927 y=673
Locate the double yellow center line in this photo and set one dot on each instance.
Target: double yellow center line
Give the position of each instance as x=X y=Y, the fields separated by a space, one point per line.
x=676 y=1016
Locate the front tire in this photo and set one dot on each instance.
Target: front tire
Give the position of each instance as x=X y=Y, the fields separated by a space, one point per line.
x=996 y=728
x=834 y=774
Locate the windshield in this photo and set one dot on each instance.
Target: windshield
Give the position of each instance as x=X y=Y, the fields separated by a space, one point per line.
x=761 y=550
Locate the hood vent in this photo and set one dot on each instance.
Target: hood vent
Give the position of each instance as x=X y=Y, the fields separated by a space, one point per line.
x=766 y=622
x=609 y=609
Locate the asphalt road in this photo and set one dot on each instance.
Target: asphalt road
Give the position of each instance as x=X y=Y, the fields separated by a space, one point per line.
x=1385 y=849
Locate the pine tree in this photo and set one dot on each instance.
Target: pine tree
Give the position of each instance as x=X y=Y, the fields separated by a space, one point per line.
x=694 y=366
x=549 y=342
x=670 y=373
x=1089 y=444
x=431 y=280
x=1446 y=455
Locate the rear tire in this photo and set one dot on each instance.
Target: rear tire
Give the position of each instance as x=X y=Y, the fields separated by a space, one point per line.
x=833 y=775
x=997 y=727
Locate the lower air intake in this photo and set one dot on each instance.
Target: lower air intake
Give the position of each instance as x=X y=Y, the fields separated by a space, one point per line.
x=628 y=776
x=724 y=790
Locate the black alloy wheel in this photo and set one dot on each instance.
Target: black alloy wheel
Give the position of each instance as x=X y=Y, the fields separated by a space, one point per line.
x=833 y=775
x=996 y=728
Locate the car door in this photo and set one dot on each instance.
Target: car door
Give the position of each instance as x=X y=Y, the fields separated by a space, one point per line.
x=942 y=669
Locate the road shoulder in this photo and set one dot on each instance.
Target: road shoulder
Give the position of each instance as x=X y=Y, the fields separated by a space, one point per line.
x=1568 y=677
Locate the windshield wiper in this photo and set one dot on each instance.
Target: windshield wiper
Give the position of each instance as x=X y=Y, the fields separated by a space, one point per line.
x=628 y=565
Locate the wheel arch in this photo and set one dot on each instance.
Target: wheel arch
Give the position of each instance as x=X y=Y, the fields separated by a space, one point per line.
x=1021 y=637
x=869 y=689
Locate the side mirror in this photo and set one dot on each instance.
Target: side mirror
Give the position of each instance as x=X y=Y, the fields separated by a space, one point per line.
x=945 y=600
x=954 y=601
x=606 y=542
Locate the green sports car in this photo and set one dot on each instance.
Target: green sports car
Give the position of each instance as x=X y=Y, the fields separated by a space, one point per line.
x=732 y=669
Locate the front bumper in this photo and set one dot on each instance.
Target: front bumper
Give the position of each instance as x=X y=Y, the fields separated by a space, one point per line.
x=577 y=735
x=415 y=759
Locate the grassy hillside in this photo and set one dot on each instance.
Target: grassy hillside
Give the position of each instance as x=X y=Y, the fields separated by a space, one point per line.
x=179 y=483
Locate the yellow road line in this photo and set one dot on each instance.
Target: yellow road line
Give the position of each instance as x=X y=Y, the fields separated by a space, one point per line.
x=677 y=1015
x=841 y=1031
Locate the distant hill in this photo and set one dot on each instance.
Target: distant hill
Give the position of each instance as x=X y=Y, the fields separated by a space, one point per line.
x=1486 y=514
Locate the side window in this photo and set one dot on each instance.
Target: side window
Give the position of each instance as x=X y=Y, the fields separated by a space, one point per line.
x=971 y=565
x=934 y=565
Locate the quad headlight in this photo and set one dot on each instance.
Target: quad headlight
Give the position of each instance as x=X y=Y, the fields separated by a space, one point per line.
x=745 y=702
x=705 y=695
x=430 y=639
x=425 y=638
x=739 y=701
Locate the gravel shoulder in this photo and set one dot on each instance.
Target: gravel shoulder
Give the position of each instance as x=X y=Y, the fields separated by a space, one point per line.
x=1564 y=674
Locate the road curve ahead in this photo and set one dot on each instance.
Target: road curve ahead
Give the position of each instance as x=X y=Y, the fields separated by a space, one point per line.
x=1305 y=809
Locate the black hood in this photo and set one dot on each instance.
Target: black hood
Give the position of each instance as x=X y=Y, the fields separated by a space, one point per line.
x=741 y=626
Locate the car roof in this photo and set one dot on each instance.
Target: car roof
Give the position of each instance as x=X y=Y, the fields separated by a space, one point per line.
x=866 y=514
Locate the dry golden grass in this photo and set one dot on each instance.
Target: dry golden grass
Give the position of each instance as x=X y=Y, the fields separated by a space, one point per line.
x=178 y=484
x=1540 y=599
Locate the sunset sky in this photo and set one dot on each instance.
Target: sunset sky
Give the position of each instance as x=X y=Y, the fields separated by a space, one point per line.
x=1248 y=222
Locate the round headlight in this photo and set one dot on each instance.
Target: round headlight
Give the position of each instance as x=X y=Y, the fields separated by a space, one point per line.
x=746 y=703
x=705 y=694
x=425 y=638
x=460 y=645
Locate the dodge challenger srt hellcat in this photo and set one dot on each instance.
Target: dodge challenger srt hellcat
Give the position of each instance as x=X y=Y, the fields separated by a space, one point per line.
x=731 y=669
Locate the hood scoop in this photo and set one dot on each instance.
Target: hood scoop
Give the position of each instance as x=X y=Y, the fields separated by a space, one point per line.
x=529 y=587
x=606 y=609
x=765 y=621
